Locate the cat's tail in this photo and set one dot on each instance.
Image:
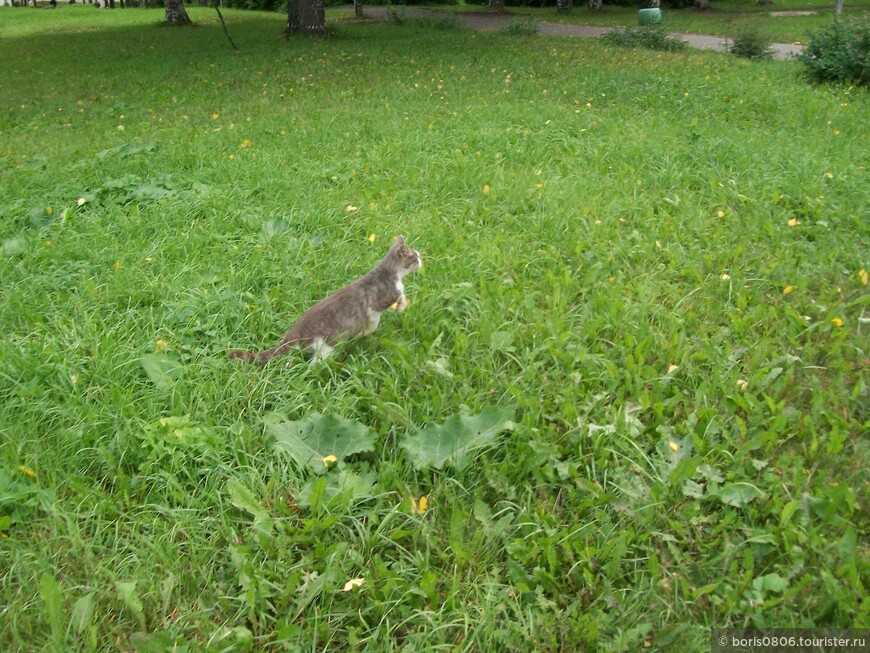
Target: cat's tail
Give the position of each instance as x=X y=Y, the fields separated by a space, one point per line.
x=261 y=356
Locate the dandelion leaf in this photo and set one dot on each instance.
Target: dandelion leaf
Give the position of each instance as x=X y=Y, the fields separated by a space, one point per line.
x=455 y=442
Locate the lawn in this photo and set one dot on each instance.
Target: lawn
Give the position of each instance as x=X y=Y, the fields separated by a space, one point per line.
x=628 y=402
x=725 y=18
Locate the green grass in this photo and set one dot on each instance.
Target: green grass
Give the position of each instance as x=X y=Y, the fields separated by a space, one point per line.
x=608 y=241
x=726 y=17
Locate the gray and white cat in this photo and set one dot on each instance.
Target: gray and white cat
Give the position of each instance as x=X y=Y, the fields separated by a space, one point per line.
x=355 y=310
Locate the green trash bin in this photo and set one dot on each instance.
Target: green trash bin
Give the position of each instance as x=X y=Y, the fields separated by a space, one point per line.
x=651 y=16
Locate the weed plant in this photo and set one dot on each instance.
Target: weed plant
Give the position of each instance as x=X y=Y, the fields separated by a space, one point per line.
x=651 y=38
x=521 y=27
x=751 y=45
x=628 y=402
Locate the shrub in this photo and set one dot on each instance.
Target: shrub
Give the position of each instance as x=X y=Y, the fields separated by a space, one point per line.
x=751 y=45
x=521 y=27
x=840 y=53
x=653 y=38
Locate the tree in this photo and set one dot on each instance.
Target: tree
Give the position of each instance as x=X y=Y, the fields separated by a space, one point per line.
x=176 y=14
x=564 y=6
x=496 y=5
x=595 y=4
x=305 y=16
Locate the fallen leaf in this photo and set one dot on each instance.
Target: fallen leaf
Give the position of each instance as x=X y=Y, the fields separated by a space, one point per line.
x=354 y=582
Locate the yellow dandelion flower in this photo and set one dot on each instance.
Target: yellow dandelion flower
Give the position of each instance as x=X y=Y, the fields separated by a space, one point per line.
x=793 y=222
x=120 y=128
x=329 y=460
x=246 y=143
x=26 y=471
x=371 y=238
x=863 y=277
x=720 y=214
x=117 y=266
x=539 y=186
x=215 y=116
x=673 y=446
x=788 y=290
x=49 y=210
x=837 y=132
x=486 y=189
x=419 y=507
x=742 y=384
x=725 y=277
x=837 y=322
x=673 y=368
x=350 y=208
x=160 y=346
x=81 y=201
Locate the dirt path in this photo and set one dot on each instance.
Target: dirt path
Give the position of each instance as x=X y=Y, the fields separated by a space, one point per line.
x=494 y=22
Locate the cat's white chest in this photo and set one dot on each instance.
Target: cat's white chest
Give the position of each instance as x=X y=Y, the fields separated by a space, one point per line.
x=400 y=287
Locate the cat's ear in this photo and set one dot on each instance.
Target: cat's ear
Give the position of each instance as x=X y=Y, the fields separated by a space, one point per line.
x=400 y=240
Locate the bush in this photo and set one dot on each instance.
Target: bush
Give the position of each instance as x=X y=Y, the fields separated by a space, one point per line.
x=840 y=53
x=751 y=45
x=653 y=38
x=521 y=27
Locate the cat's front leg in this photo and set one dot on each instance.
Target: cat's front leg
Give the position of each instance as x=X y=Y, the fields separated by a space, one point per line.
x=401 y=304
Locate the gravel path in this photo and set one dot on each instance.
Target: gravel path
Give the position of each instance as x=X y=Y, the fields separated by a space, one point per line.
x=493 y=22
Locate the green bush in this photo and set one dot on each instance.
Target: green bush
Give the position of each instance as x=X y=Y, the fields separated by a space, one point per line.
x=840 y=53
x=653 y=38
x=751 y=45
x=521 y=27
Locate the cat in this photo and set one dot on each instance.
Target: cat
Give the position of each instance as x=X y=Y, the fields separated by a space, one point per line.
x=355 y=310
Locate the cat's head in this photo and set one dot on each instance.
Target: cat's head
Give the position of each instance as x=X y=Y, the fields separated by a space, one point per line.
x=406 y=259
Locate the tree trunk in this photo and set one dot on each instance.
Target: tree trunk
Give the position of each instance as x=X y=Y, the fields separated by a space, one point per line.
x=595 y=4
x=496 y=5
x=702 y=4
x=357 y=9
x=839 y=7
x=176 y=14
x=306 y=17
x=564 y=6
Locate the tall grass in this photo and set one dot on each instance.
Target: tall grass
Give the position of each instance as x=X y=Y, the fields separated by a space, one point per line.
x=657 y=263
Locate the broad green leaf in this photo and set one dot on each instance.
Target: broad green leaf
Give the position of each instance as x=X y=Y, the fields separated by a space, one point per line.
x=456 y=440
x=52 y=598
x=770 y=583
x=309 y=440
x=13 y=245
x=244 y=499
x=161 y=369
x=130 y=598
x=739 y=494
x=501 y=340
x=338 y=489
x=693 y=489
x=159 y=642
x=83 y=613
